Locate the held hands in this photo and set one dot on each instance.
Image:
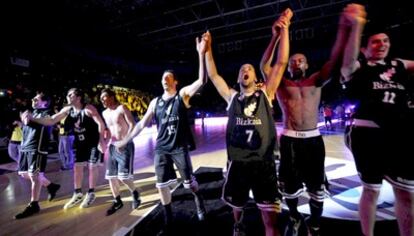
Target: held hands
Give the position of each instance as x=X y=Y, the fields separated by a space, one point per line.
x=206 y=37
x=201 y=44
x=353 y=14
x=287 y=13
x=283 y=22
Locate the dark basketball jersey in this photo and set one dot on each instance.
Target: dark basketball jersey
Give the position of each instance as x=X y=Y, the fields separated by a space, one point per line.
x=36 y=136
x=84 y=127
x=379 y=91
x=251 y=133
x=174 y=133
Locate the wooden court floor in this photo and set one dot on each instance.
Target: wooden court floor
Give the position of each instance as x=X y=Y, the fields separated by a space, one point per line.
x=54 y=220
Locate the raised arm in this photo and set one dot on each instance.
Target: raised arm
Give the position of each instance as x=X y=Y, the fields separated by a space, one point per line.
x=267 y=58
x=144 y=122
x=276 y=73
x=355 y=16
x=340 y=45
x=218 y=81
x=188 y=91
x=266 y=61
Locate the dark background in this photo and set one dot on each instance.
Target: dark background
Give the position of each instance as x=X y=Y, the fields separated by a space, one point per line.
x=131 y=42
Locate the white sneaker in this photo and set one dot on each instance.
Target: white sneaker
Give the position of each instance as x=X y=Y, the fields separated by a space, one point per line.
x=88 y=200
x=76 y=198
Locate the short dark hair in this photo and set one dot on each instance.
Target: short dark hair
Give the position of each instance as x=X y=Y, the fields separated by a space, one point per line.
x=79 y=93
x=109 y=92
x=45 y=97
x=372 y=29
x=173 y=73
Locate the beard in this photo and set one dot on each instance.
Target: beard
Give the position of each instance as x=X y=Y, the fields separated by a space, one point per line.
x=297 y=74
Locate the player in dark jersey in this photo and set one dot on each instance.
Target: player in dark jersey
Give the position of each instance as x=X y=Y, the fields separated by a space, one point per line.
x=251 y=134
x=174 y=136
x=89 y=143
x=33 y=155
x=301 y=145
x=377 y=137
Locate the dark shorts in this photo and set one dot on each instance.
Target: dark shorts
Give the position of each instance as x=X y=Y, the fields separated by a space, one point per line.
x=258 y=176
x=164 y=167
x=120 y=165
x=32 y=162
x=302 y=164
x=89 y=155
x=379 y=155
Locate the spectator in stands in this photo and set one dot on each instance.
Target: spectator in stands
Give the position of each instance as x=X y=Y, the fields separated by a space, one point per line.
x=15 y=141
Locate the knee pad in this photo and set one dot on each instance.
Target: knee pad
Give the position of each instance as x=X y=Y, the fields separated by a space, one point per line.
x=165 y=195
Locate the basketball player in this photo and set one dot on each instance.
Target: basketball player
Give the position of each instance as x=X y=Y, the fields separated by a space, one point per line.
x=251 y=134
x=174 y=136
x=120 y=166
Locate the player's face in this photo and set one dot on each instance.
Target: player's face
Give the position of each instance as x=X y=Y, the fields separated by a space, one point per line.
x=38 y=103
x=378 y=46
x=168 y=81
x=247 y=75
x=297 y=65
x=71 y=97
x=106 y=100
